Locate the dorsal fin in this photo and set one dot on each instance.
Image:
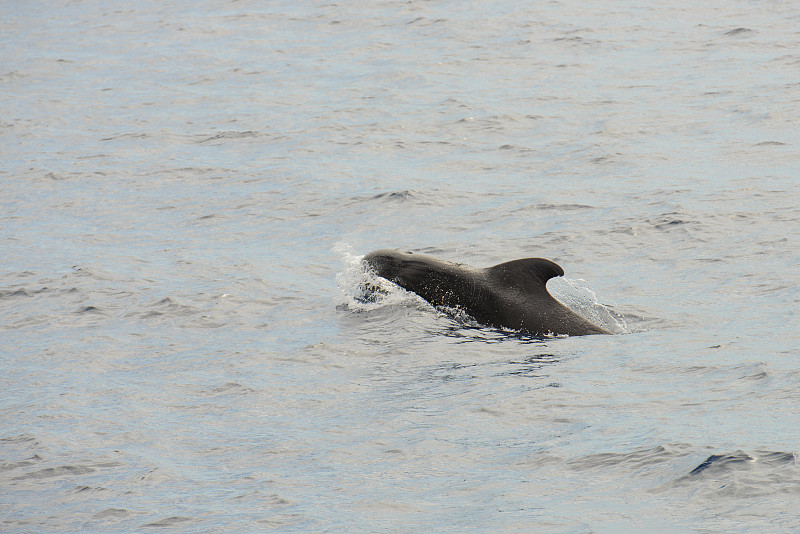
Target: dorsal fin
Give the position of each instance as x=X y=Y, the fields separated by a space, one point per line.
x=529 y=275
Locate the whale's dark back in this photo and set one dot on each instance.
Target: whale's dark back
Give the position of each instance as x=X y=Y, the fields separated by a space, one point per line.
x=511 y=294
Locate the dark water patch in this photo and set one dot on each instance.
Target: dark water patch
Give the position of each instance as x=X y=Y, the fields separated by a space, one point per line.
x=636 y=460
x=126 y=136
x=575 y=39
x=436 y=380
x=424 y=21
x=738 y=32
x=85 y=489
x=112 y=513
x=22 y=438
x=205 y=321
x=57 y=177
x=26 y=292
x=606 y=158
x=464 y=329
x=52 y=472
x=739 y=460
x=210 y=218
x=224 y=136
x=229 y=389
x=532 y=367
x=720 y=461
x=90 y=272
x=395 y=196
x=737 y=475
x=12 y=293
x=758 y=375
x=390 y=200
x=89 y=310
x=740 y=474
x=668 y=221
x=770 y=143
x=167 y=309
x=10 y=466
x=404 y=199
x=171 y=521
x=170 y=306
x=554 y=207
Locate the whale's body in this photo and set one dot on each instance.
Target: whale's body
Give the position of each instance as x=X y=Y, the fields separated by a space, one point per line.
x=508 y=295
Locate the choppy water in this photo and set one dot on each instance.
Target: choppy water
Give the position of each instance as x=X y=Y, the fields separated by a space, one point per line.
x=188 y=186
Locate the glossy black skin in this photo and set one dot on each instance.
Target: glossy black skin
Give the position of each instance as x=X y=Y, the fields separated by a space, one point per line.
x=509 y=295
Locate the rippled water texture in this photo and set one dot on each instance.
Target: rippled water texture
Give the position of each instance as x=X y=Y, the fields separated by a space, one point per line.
x=187 y=188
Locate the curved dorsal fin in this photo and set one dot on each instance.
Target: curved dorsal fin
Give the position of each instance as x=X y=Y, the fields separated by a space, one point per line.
x=529 y=275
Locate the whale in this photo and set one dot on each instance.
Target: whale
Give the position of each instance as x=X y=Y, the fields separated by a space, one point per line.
x=511 y=295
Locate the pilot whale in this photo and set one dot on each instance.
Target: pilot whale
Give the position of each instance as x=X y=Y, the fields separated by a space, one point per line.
x=508 y=295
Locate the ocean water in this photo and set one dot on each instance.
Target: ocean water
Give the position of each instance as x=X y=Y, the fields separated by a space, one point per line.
x=187 y=190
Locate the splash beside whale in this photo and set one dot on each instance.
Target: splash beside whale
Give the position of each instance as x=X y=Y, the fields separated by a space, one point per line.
x=508 y=295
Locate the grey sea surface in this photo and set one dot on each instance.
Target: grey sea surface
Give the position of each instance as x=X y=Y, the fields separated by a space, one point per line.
x=187 y=191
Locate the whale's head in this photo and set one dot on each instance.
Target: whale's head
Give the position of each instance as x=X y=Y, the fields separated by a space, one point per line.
x=390 y=263
x=441 y=283
x=425 y=275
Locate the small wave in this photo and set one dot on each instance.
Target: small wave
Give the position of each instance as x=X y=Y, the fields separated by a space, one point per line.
x=532 y=366
x=13 y=293
x=115 y=513
x=668 y=221
x=21 y=438
x=90 y=272
x=60 y=471
x=562 y=207
x=424 y=21
x=552 y=207
x=738 y=31
x=168 y=522
x=636 y=459
x=90 y=310
x=406 y=194
x=230 y=388
x=168 y=307
x=126 y=136
x=770 y=143
x=722 y=463
x=224 y=136
x=739 y=473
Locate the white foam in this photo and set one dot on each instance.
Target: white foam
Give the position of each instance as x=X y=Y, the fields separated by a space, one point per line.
x=577 y=295
x=362 y=289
